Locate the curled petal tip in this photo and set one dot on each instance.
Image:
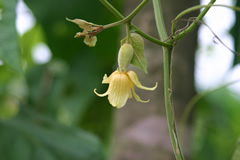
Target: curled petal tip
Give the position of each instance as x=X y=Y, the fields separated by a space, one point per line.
x=153 y=88
x=100 y=95
x=143 y=101
x=138 y=98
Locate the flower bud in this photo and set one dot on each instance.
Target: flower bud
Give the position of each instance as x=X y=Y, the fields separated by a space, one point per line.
x=125 y=55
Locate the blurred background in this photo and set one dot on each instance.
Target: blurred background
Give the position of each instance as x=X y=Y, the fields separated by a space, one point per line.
x=48 y=110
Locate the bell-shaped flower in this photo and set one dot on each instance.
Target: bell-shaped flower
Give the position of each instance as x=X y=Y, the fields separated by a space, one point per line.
x=121 y=87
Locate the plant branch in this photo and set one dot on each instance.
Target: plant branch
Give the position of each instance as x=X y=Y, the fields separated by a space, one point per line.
x=129 y=17
x=150 y=38
x=192 y=26
x=112 y=9
x=136 y=29
x=194 y=8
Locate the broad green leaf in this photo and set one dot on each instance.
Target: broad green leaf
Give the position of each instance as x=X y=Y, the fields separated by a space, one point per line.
x=139 y=59
x=9 y=44
x=30 y=136
x=236 y=154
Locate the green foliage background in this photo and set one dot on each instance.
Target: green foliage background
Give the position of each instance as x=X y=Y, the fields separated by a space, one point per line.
x=49 y=111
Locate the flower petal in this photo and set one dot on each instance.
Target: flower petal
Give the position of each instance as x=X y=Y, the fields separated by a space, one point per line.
x=107 y=79
x=134 y=78
x=100 y=95
x=119 y=89
x=130 y=94
x=137 y=97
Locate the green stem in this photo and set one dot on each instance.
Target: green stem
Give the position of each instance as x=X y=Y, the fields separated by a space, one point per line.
x=150 y=38
x=194 y=8
x=159 y=19
x=128 y=33
x=193 y=25
x=137 y=30
x=112 y=9
x=129 y=17
x=167 y=53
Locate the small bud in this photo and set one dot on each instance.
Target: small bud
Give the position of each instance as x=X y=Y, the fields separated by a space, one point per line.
x=125 y=55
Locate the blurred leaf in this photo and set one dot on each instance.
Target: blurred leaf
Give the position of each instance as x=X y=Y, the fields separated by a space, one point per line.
x=9 y=47
x=71 y=92
x=217 y=118
x=236 y=154
x=102 y=113
x=30 y=136
x=236 y=35
x=66 y=92
x=31 y=38
x=139 y=59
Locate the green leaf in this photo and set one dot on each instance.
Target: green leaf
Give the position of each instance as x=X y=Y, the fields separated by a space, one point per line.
x=9 y=44
x=37 y=137
x=236 y=154
x=139 y=59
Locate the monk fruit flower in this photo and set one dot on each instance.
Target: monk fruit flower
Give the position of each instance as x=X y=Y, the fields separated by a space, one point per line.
x=121 y=87
x=125 y=55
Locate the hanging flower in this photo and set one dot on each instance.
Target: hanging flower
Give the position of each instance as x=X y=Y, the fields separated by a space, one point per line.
x=121 y=87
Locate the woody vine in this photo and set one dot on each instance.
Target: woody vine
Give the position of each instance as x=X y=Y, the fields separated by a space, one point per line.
x=122 y=82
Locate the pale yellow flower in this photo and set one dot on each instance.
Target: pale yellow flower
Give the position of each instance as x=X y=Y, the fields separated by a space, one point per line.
x=121 y=87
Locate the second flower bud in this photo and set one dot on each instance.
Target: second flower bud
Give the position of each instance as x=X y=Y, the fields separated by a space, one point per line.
x=125 y=56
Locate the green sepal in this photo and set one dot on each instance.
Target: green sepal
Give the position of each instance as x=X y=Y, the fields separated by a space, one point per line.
x=139 y=60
